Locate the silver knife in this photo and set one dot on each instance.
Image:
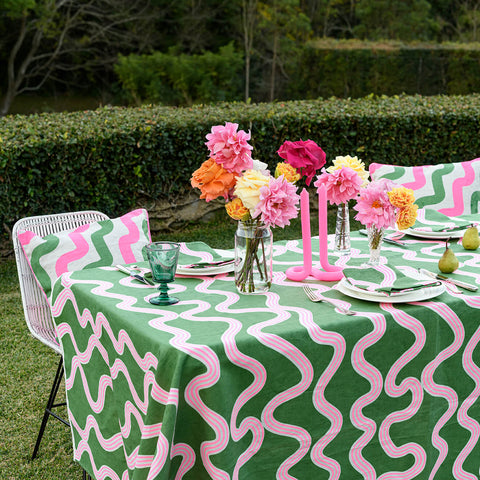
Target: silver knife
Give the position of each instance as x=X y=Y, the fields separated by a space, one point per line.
x=209 y=264
x=458 y=283
x=137 y=276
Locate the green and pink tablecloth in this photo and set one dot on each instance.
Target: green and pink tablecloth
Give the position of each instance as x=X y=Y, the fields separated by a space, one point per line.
x=272 y=386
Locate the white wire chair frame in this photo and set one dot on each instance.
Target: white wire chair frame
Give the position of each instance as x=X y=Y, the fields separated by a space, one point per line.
x=35 y=306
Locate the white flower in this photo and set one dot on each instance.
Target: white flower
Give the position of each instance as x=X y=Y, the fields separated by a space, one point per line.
x=260 y=166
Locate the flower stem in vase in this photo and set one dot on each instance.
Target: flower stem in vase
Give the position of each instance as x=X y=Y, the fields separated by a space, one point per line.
x=375 y=237
x=253 y=257
x=342 y=230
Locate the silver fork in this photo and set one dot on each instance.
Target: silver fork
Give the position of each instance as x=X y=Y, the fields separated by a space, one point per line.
x=312 y=295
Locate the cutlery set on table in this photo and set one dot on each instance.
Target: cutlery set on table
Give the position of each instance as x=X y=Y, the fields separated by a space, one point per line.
x=200 y=268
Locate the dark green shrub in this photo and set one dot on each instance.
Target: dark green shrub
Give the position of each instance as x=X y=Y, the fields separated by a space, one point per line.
x=350 y=68
x=171 y=79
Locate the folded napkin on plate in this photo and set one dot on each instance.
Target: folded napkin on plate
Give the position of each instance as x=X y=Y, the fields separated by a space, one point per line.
x=385 y=279
x=197 y=252
x=429 y=220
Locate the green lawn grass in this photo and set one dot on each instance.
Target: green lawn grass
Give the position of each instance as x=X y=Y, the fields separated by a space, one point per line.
x=27 y=368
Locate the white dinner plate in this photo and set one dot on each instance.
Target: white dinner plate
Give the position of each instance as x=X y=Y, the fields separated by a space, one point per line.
x=433 y=235
x=413 y=296
x=200 y=272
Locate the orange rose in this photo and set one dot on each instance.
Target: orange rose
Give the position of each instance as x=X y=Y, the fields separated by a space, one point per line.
x=289 y=173
x=401 y=197
x=407 y=216
x=237 y=210
x=213 y=180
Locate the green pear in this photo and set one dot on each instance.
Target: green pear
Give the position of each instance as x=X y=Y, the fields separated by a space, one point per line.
x=471 y=240
x=449 y=262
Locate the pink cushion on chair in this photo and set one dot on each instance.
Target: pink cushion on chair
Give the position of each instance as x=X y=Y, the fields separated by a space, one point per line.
x=98 y=244
x=450 y=188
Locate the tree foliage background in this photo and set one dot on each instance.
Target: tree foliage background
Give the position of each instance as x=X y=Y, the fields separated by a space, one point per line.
x=56 y=47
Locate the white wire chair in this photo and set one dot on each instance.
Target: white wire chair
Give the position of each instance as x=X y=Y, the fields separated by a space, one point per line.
x=35 y=306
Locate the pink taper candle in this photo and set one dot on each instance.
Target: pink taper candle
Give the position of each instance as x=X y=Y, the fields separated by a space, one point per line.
x=300 y=273
x=332 y=272
x=306 y=234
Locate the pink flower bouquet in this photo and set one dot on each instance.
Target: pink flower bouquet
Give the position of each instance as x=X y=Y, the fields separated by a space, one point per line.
x=343 y=181
x=253 y=196
x=382 y=204
x=341 y=185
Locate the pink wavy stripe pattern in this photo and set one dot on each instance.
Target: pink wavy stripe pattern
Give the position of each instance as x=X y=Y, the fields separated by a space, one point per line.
x=257 y=333
x=374 y=377
x=437 y=390
x=158 y=461
x=146 y=363
x=25 y=237
x=81 y=249
x=207 y=357
x=462 y=415
x=275 y=427
x=411 y=385
x=204 y=256
x=420 y=180
x=126 y=241
x=188 y=458
x=134 y=460
x=457 y=190
x=337 y=342
x=103 y=472
x=248 y=424
x=80 y=358
x=109 y=444
x=305 y=368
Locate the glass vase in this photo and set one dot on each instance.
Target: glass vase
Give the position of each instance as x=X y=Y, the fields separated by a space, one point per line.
x=375 y=238
x=342 y=231
x=253 y=257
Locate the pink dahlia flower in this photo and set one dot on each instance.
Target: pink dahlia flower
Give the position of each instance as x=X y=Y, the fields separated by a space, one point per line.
x=278 y=200
x=306 y=156
x=341 y=185
x=230 y=148
x=374 y=206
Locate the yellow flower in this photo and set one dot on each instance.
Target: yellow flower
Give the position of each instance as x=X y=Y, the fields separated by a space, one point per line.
x=248 y=188
x=289 y=173
x=401 y=197
x=407 y=216
x=352 y=162
x=237 y=210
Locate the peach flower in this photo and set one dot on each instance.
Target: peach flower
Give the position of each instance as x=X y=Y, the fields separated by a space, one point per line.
x=401 y=197
x=213 y=180
x=406 y=216
x=237 y=210
x=289 y=173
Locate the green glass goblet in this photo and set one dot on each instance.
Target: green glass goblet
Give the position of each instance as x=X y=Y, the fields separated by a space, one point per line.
x=163 y=258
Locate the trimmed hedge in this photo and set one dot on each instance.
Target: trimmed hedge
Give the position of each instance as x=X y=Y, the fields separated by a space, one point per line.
x=108 y=158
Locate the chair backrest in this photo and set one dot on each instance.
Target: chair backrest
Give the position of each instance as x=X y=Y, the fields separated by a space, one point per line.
x=35 y=305
x=450 y=188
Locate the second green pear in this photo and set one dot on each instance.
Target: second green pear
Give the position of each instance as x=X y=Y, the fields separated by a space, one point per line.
x=471 y=240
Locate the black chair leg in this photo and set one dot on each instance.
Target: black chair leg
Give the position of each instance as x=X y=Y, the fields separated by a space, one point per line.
x=50 y=405
x=85 y=476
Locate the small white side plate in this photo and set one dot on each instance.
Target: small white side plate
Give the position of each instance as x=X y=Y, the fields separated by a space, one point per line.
x=433 y=235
